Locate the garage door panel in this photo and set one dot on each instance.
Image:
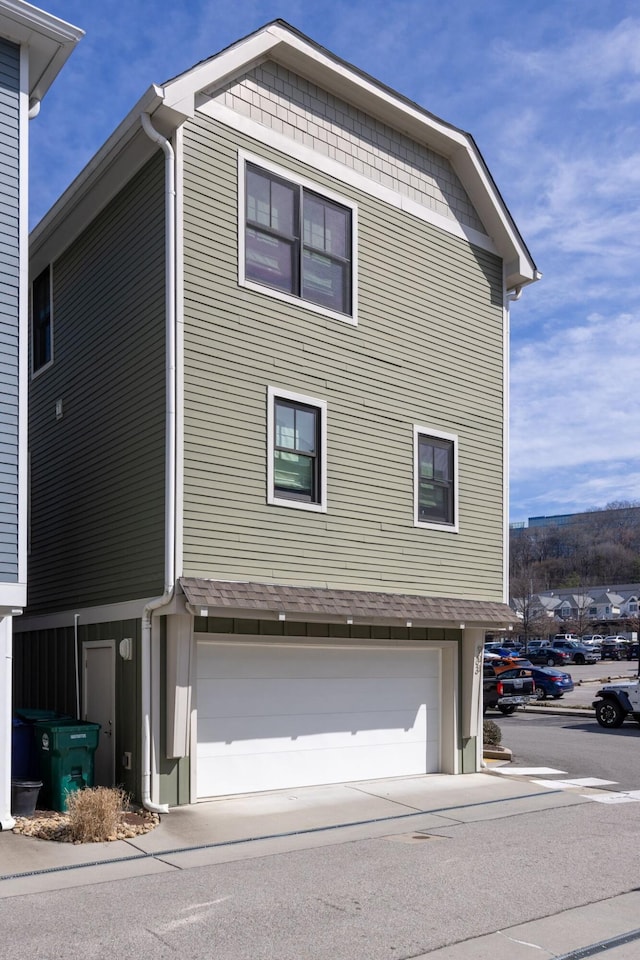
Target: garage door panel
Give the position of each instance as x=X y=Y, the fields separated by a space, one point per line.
x=258 y=697
x=271 y=717
x=273 y=771
x=215 y=659
x=238 y=734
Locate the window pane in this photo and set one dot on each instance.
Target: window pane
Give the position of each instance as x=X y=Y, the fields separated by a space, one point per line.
x=326 y=226
x=306 y=430
x=337 y=224
x=285 y=426
x=434 y=502
x=271 y=203
x=258 y=198
x=269 y=260
x=41 y=320
x=435 y=480
x=293 y=475
x=426 y=459
x=283 y=209
x=441 y=463
x=314 y=222
x=325 y=282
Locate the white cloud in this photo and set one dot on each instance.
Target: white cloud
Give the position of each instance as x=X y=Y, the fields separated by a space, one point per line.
x=575 y=397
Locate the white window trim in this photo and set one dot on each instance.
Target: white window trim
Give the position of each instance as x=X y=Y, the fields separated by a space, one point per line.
x=273 y=394
x=419 y=431
x=49 y=363
x=243 y=159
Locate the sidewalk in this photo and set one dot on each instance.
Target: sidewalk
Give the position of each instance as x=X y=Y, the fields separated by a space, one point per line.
x=263 y=824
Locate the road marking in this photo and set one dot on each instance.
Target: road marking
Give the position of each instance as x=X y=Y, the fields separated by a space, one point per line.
x=569 y=784
x=527 y=771
x=613 y=798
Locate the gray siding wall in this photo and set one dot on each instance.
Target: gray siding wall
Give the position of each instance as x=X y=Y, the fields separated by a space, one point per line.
x=9 y=306
x=97 y=473
x=428 y=350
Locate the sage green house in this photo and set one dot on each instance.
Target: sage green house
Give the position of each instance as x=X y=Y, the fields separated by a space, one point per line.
x=268 y=448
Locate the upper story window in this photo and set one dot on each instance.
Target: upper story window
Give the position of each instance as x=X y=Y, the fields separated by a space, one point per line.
x=297 y=242
x=41 y=321
x=435 y=479
x=296 y=451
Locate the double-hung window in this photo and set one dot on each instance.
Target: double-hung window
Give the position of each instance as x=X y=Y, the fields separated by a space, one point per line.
x=296 y=450
x=41 y=327
x=298 y=242
x=435 y=479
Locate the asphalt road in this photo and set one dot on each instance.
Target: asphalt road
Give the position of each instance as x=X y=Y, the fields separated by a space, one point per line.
x=577 y=745
x=384 y=898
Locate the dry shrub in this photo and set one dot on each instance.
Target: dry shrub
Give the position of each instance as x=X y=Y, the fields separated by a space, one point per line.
x=492 y=734
x=95 y=813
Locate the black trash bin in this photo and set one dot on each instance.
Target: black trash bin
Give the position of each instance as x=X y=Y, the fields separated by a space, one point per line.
x=24 y=797
x=66 y=749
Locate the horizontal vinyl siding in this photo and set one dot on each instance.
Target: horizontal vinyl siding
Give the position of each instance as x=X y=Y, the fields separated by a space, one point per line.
x=427 y=350
x=9 y=307
x=97 y=474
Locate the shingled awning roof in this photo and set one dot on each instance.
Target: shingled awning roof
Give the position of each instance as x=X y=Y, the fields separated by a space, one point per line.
x=224 y=598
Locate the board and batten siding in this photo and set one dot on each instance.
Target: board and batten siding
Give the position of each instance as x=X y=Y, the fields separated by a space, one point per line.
x=97 y=471
x=9 y=306
x=427 y=350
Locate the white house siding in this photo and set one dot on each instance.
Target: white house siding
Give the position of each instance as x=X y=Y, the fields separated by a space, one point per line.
x=427 y=350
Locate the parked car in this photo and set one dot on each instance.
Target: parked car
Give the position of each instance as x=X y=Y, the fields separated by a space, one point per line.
x=592 y=639
x=614 y=648
x=549 y=681
x=501 y=651
x=549 y=656
x=577 y=651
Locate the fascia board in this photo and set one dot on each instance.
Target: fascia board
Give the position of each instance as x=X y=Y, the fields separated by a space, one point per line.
x=470 y=168
x=113 y=165
x=181 y=92
x=292 y=51
x=50 y=40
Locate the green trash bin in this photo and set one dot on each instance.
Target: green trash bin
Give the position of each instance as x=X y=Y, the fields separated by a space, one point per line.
x=66 y=749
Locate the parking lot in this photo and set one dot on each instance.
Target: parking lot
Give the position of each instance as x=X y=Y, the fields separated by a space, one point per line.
x=587 y=678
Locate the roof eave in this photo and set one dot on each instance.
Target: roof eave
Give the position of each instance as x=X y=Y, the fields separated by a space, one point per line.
x=51 y=41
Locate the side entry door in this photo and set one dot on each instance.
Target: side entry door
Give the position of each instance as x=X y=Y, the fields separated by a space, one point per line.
x=99 y=704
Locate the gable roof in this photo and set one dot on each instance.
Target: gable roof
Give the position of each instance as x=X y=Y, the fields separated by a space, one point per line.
x=179 y=98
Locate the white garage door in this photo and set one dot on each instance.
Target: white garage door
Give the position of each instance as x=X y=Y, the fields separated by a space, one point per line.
x=273 y=717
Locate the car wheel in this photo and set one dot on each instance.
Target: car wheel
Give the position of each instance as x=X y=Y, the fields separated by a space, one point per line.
x=579 y=659
x=541 y=694
x=507 y=709
x=551 y=661
x=609 y=714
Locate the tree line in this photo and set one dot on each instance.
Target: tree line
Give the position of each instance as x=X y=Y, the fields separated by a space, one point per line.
x=596 y=548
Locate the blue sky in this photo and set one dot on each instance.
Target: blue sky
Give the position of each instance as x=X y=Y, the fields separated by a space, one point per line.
x=550 y=90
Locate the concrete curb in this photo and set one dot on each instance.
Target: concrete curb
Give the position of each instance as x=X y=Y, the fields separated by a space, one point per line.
x=497 y=753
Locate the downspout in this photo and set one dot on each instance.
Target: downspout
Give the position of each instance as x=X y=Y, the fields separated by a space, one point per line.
x=170 y=462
